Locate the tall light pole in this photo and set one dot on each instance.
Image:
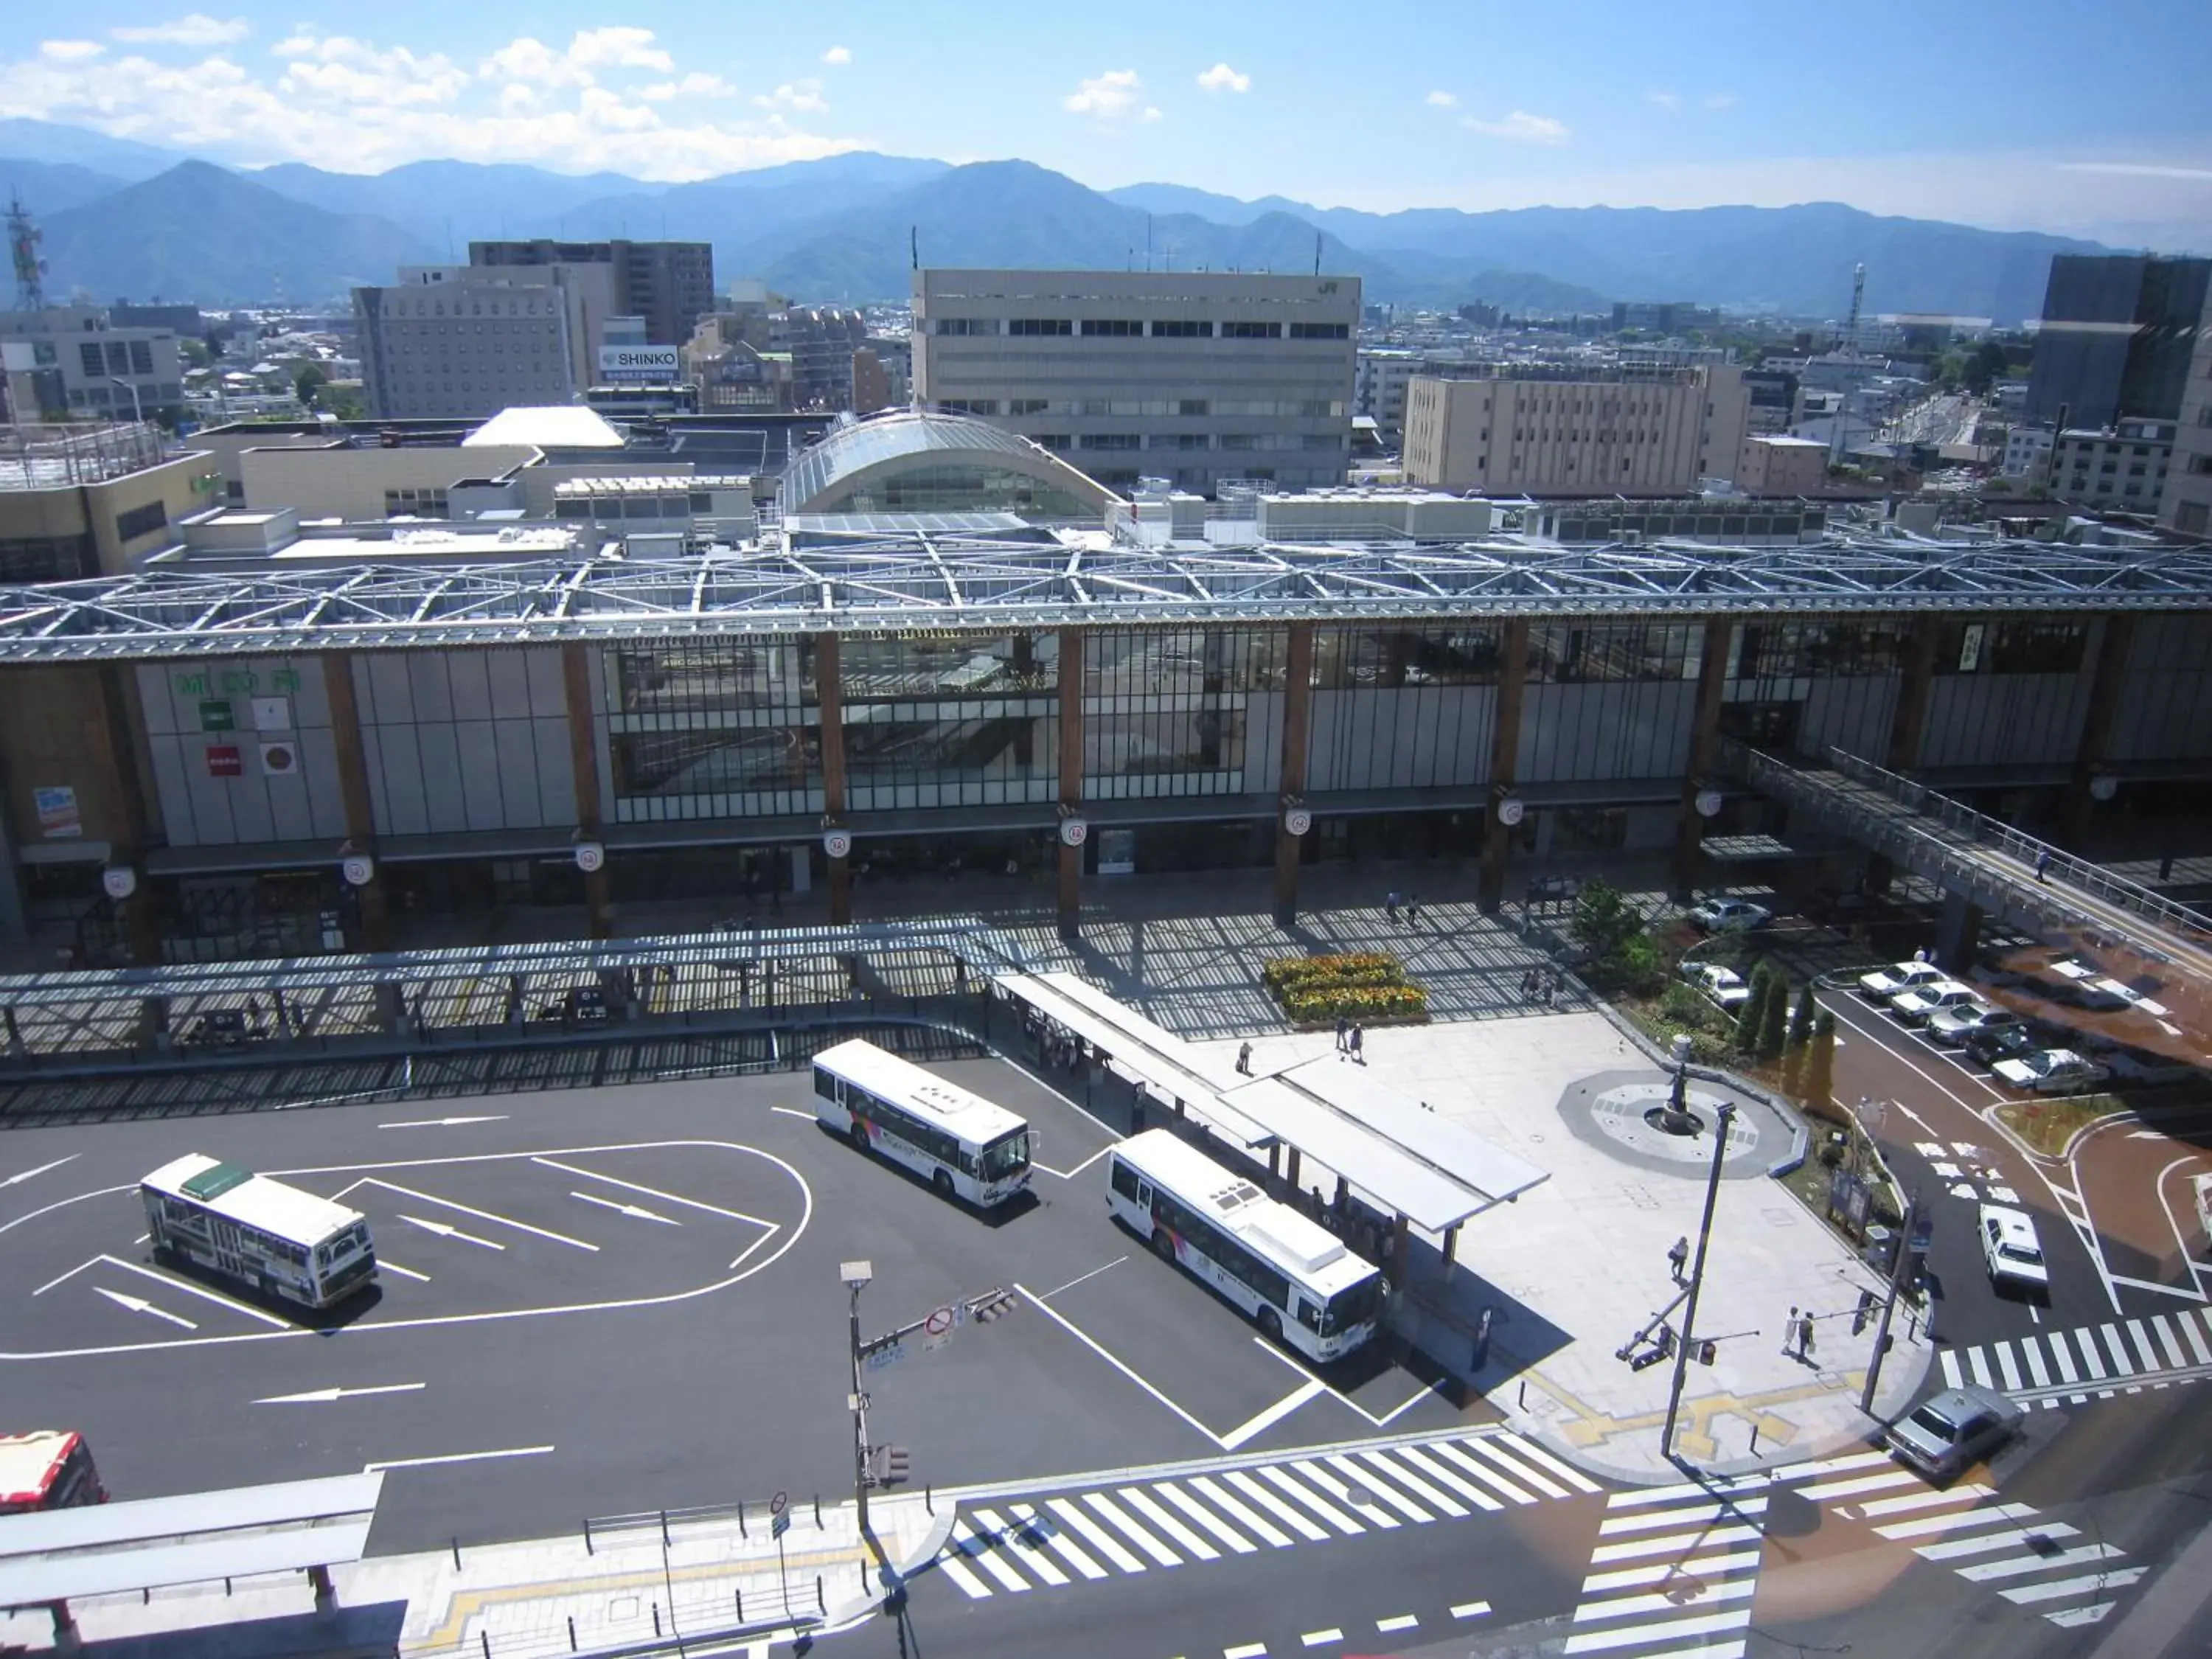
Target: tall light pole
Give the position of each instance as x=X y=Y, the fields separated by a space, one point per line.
x=856 y=1275
x=137 y=409
x=1722 y=1119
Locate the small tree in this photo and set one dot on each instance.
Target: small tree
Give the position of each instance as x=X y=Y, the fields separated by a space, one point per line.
x=1774 y=1017
x=1817 y=1079
x=306 y=381
x=1748 y=1015
x=1603 y=922
x=1801 y=1017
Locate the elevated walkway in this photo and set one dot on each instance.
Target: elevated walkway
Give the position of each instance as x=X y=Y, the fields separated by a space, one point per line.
x=1991 y=864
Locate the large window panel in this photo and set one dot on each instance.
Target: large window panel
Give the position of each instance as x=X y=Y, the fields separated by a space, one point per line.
x=951 y=719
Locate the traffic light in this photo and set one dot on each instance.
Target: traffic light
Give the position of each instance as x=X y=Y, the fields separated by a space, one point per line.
x=991 y=1304
x=1862 y=1315
x=889 y=1465
x=1707 y=1351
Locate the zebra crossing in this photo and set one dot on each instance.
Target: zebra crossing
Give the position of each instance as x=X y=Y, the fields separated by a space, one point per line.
x=2048 y=1368
x=1144 y=1523
x=1673 y=1573
x=2042 y=1566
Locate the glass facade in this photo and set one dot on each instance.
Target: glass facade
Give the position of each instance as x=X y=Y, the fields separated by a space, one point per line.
x=713 y=728
x=951 y=719
x=1166 y=711
x=1402 y=705
x=1368 y=656
x=957 y=487
x=1568 y=653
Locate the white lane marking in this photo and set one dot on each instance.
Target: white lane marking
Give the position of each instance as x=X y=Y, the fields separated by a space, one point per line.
x=2141 y=1338
x=636 y=1211
x=793 y=1111
x=1952 y=1377
x=2188 y=1322
x=1428 y=1469
x=1080 y=1278
x=2001 y=1353
x=1141 y=1501
x=1470 y=1610
x=18 y=1179
x=1274 y=1505
x=454 y=1457
x=1410 y=1477
x=1535 y=1454
x=1927 y=1499
x=2162 y=1326
x=1366 y=1508
x=650 y=1192
x=1207 y=1518
x=2034 y=1562
x=1865 y=1459
x=139 y=1304
x=70 y=1274
x=2089 y=1615
x=1118 y=1518
x=1983 y=1543
x=1356 y=1475
x=970 y=1540
x=1023 y=1538
x=1719 y=1491
x=1313 y=1500
x=1626 y=1607
x=1705 y=1538
x=1689 y=1515
x=1928 y=1525
x=1978 y=1366
x=2031 y=1354
x=189 y=1289
x=390 y=1266
x=1827 y=1492
x=1260 y=1424
x=1603 y=1641
x=1250 y=1651
x=481 y=1215
x=1070 y=1175
x=1092 y=1343
x=1317 y=1638
x=2089 y=1585
x=444 y=1231
x=1502 y=1453
x=1483 y=1448
x=1402 y=1621
x=969 y=1585
x=441 y=1122
x=1399 y=1410
x=324 y=1396
x=1480 y=1477
x=1057 y=1538
x=1873 y=1035
x=1660 y=1572
x=755 y=1245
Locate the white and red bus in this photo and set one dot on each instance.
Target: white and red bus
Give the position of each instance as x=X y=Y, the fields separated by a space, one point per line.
x=47 y=1469
x=963 y=1144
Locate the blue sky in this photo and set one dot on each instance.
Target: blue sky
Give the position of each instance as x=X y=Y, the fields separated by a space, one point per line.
x=2084 y=116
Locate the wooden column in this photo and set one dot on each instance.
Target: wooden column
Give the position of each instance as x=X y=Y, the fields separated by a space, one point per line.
x=1910 y=719
x=1712 y=681
x=2108 y=680
x=584 y=760
x=1504 y=757
x=354 y=792
x=1071 y=775
x=1297 y=725
x=829 y=701
x=108 y=733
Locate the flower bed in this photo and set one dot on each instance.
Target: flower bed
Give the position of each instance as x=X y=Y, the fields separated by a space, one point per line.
x=1370 y=988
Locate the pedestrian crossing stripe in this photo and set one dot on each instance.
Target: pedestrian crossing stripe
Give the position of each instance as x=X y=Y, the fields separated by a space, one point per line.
x=1675 y=1580
x=2070 y=1366
x=1163 y=1519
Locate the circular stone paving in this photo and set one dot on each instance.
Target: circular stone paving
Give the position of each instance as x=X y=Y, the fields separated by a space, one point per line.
x=1631 y=1115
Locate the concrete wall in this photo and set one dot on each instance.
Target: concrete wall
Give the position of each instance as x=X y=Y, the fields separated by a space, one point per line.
x=286 y=788
x=1611 y=730
x=1416 y=738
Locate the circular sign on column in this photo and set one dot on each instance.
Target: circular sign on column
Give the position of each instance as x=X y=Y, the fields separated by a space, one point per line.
x=1073 y=831
x=1511 y=811
x=359 y=869
x=591 y=857
x=2104 y=786
x=1298 y=820
x=119 y=881
x=1709 y=803
x=837 y=843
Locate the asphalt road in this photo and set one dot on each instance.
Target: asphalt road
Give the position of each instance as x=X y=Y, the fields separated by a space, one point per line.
x=613 y=1300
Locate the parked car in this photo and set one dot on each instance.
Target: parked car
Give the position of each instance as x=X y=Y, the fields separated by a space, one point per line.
x=1954 y=1431
x=1989 y=1046
x=1954 y=1024
x=2147 y=1066
x=1727 y=915
x=1898 y=977
x=1917 y=1004
x=2051 y=1071
x=2010 y=1250
x=1725 y=986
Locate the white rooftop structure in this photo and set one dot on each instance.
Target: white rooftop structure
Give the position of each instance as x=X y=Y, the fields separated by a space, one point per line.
x=553 y=425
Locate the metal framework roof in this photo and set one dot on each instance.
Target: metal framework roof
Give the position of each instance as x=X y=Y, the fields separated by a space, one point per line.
x=947 y=582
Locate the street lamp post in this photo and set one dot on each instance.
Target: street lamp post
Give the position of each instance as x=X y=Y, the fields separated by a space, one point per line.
x=856 y=1275
x=1722 y=1119
x=137 y=409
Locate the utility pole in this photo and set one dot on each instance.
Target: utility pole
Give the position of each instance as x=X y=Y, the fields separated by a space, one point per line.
x=856 y=1275
x=1889 y=1304
x=1722 y=1119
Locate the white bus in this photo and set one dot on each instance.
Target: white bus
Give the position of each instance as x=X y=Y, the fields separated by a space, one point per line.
x=285 y=1242
x=967 y=1147
x=1294 y=1278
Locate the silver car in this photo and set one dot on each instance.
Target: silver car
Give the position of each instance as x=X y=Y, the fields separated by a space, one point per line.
x=1953 y=1026
x=1954 y=1431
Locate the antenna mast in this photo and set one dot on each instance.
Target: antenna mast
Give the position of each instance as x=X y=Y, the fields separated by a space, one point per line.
x=23 y=239
x=1858 y=298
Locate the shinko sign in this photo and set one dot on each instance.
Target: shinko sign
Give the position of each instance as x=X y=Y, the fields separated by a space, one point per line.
x=638 y=365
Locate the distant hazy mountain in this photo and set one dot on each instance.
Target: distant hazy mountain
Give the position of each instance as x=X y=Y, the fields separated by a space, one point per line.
x=200 y=232
x=47 y=187
x=455 y=202
x=51 y=141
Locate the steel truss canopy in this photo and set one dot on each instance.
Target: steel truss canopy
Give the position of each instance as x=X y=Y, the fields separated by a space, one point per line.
x=946 y=582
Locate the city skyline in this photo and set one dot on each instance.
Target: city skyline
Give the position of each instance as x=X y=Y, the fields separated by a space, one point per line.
x=1935 y=126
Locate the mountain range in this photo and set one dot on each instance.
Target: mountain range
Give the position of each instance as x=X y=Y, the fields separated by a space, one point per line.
x=124 y=218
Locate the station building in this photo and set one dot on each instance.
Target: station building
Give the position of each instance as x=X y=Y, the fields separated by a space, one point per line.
x=922 y=659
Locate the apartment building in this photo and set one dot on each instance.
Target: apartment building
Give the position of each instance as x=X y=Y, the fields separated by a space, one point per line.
x=466 y=341
x=2116 y=338
x=670 y=284
x=1515 y=429
x=2120 y=468
x=1198 y=378
x=2187 y=504
x=75 y=363
x=1774 y=464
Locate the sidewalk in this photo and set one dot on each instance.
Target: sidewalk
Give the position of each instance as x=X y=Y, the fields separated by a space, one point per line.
x=536 y=1599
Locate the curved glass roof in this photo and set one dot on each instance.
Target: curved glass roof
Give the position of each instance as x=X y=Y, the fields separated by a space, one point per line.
x=922 y=438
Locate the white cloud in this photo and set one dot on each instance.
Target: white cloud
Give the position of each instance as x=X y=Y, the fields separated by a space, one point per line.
x=839 y=56
x=1720 y=101
x=194 y=29
x=70 y=52
x=1151 y=113
x=1522 y=128
x=1222 y=78
x=802 y=97
x=359 y=105
x=1670 y=102
x=1443 y=100
x=1111 y=96
x=2140 y=170
x=694 y=85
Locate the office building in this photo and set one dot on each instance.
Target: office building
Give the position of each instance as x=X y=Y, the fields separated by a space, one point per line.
x=75 y=363
x=670 y=284
x=1662 y=316
x=819 y=341
x=2117 y=333
x=1381 y=378
x=1196 y=377
x=2121 y=469
x=1774 y=464
x=464 y=341
x=1521 y=429
x=83 y=499
x=2187 y=504
x=2026 y=454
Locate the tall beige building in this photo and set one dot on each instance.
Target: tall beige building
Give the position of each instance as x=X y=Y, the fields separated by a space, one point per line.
x=1516 y=428
x=2185 y=505
x=1195 y=377
x=468 y=341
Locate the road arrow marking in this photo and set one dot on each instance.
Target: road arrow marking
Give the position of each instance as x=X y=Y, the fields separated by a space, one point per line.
x=641 y=1212
x=444 y=1231
x=139 y=1304
x=323 y=1396
x=15 y=1180
x=441 y=1122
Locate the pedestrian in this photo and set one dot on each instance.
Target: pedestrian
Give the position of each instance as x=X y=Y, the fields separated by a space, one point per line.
x=1343 y=1026
x=2165 y=868
x=1390 y=904
x=1528 y=984
x=1244 y=1060
x=2043 y=867
x=1678 y=1257
x=1358 y=1045
x=1413 y=909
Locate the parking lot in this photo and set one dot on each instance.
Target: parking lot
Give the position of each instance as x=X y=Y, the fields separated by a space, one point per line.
x=603 y=1300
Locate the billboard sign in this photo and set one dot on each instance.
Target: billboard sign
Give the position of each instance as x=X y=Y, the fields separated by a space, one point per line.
x=639 y=366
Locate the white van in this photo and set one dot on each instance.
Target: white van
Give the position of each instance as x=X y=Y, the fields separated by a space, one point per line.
x=2011 y=1250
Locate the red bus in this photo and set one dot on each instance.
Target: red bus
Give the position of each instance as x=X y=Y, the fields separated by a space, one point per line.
x=47 y=1469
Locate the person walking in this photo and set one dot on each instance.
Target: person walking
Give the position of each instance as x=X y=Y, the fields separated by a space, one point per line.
x=1244 y=1060
x=1343 y=1026
x=1413 y=909
x=1677 y=1256
x=1358 y=1045
x=2043 y=867
x=1390 y=904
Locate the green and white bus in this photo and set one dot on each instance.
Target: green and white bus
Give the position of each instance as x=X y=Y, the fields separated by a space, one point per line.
x=284 y=1243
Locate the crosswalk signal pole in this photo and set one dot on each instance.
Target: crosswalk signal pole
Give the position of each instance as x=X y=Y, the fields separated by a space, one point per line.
x=1903 y=1238
x=1721 y=1119
x=856 y=1275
